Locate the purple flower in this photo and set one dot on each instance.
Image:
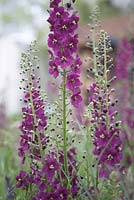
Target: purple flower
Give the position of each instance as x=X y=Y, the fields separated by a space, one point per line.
x=70 y=43
x=75 y=188
x=101 y=138
x=76 y=99
x=93 y=89
x=103 y=171
x=54 y=41
x=54 y=3
x=64 y=58
x=53 y=70
x=113 y=156
x=73 y=81
x=73 y=22
x=58 y=14
x=62 y=193
x=50 y=166
x=23 y=180
x=75 y=67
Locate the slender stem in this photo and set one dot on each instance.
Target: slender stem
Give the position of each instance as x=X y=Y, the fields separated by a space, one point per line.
x=87 y=159
x=35 y=122
x=105 y=78
x=65 y=124
x=97 y=181
x=65 y=138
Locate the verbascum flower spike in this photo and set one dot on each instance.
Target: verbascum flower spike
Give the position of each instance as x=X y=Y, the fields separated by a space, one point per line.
x=106 y=132
x=63 y=44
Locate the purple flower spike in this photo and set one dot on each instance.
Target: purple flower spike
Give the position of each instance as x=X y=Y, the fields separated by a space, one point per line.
x=107 y=142
x=63 y=44
x=28 y=125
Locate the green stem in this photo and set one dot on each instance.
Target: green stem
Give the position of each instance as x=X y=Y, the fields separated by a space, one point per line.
x=35 y=122
x=65 y=124
x=65 y=138
x=87 y=159
x=97 y=181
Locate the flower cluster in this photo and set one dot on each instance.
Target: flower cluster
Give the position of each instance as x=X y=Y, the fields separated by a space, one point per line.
x=108 y=145
x=124 y=55
x=32 y=126
x=46 y=170
x=33 y=140
x=63 y=43
x=49 y=180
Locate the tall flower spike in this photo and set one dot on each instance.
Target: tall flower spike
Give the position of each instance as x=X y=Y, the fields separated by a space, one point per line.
x=63 y=44
x=34 y=120
x=33 y=124
x=107 y=142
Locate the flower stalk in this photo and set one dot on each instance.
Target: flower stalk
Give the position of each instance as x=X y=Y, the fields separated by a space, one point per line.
x=65 y=145
x=105 y=79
